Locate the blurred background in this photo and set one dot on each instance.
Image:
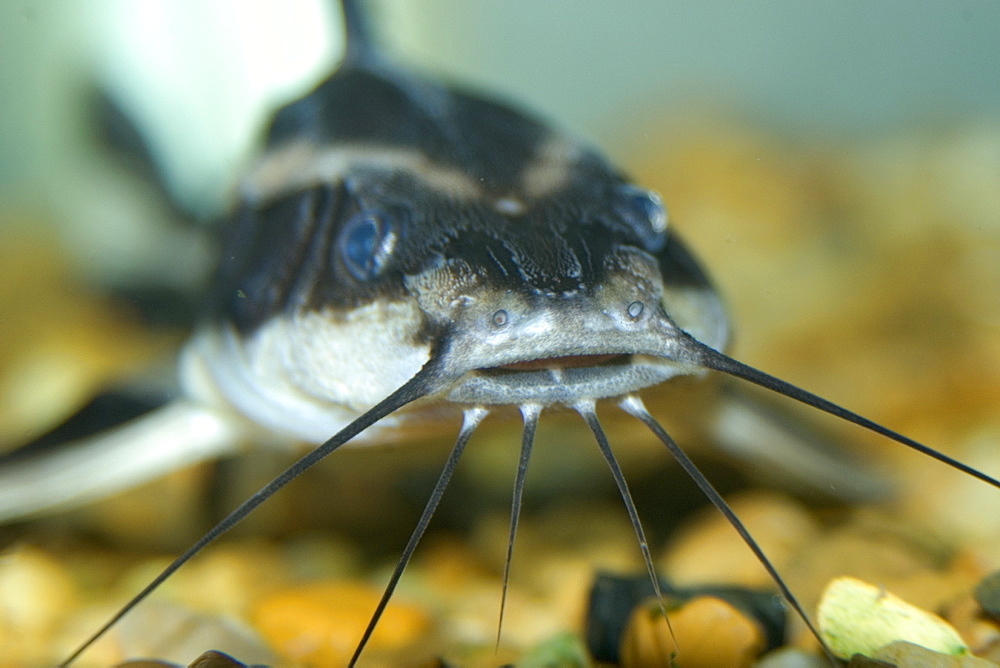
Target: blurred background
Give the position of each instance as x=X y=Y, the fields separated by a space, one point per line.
x=201 y=77
x=836 y=166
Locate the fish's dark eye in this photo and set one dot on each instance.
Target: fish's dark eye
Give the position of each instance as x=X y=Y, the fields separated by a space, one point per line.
x=365 y=242
x=644 y=211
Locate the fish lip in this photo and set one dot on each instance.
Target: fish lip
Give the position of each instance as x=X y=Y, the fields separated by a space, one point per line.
x=567 y=385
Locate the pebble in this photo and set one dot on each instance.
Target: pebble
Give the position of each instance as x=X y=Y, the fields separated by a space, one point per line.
x=979 y=631
x=228 y=578
x=988 y=595
x=868 y=546
x=708 y=550
x=36 y=591
x=564 y=650
x=214 y=659
x=855 y=617
x=321 y=623
x=176 y=633
x=705 y=632
x=792 y=657
x=209 y=659
x=909 y=655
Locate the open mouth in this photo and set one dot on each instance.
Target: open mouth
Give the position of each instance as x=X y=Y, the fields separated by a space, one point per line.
x=555 y=363
x=562 y=379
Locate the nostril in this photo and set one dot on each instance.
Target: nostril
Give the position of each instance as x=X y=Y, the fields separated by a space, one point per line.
x=635 y=310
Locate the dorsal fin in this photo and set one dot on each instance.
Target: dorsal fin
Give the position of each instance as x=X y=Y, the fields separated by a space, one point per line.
x=370 y=102
x=360 y=48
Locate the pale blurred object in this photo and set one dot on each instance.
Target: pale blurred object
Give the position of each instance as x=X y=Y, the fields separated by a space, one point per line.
x=855 y=617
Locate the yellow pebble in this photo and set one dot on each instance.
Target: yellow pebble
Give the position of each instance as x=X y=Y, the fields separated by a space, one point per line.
x=707 y=633
x=708 y=550
x=36 y=592
x=859 y=618
x=321 y=623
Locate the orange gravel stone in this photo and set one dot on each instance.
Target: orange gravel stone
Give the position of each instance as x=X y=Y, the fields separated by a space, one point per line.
x=707 y=633
x=707 y=549
x=321 y=623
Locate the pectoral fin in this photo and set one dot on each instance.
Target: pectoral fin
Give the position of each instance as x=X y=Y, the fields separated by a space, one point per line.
x=176 y=435
x=780 y=448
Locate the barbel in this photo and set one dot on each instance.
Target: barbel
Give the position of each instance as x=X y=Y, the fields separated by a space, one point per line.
x=489 y=260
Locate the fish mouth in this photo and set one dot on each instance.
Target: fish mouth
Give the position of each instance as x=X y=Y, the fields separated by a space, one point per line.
x=560 y=351
x=566 y=379
x=565 y=362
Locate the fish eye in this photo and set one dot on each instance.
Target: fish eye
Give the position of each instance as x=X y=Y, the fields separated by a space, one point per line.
x=643 y=209
x=365 y=243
